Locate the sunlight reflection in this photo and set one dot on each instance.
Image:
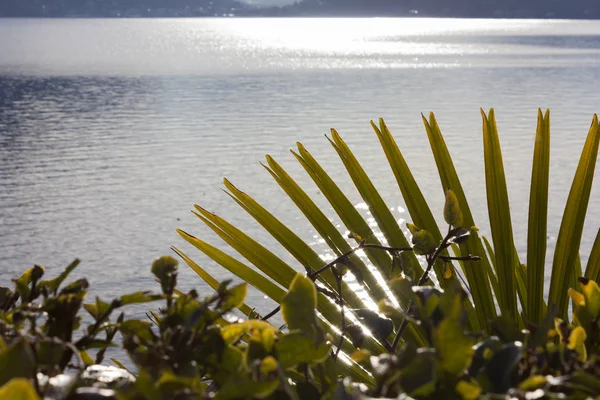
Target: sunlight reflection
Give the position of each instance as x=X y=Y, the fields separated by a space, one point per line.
x=327 y=255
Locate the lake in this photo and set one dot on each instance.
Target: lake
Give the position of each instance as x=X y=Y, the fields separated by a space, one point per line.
x=111 y=130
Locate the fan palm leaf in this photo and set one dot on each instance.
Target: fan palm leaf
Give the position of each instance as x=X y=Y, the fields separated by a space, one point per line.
x=497 y=283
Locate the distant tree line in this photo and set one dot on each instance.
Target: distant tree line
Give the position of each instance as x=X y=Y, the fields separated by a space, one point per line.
x=446 y=8
x=118 y=8
x=425 y=8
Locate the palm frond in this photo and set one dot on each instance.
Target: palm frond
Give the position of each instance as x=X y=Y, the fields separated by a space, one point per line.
x=497 y=282
x=499 y=214
x=571 y=227
x=538 y=219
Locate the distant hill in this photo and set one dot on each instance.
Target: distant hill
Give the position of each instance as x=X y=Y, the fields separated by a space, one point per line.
x=122 y=8
x=443 y=8
x=211 y=8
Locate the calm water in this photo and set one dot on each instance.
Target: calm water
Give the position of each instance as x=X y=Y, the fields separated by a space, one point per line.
x=110 y=130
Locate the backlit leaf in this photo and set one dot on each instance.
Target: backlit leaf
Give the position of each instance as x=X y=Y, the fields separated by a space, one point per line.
x=299 y=304
x=234 y=297
x=18 y=389
x=592 y=270
x=566 y=251
x=577 y=342
x=452 y=213
x=499 y=215
x=297 y=348
x=591 y=293
x=538 y=219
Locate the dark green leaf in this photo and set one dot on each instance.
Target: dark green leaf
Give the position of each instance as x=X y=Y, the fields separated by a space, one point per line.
x=506 y=328
x=17 y=361
x=97 y=310
x=164 y=267
x=139 y=297
x=356 y=335
x=482 y=353
x=381 y=327
x=138 y=328
x=497 y=375
x=55 y=283
x=419 y=378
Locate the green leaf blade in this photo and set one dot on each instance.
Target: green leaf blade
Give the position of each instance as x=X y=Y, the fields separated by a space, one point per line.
x=499 y=214
x=592 y=270
x=476 y=277
x=571 y=227
x=538 y=219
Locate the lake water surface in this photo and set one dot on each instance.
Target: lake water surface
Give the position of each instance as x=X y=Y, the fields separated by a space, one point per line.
x=110 y=130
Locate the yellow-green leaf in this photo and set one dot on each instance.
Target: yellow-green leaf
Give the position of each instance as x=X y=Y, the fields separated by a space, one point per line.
x=85 y=356
x=326 y=229
x=533 y=383
x=468 y=390
x=298 y=305
x=118 y=363
x=18 y=389
x=578 y=299
x=577 y=342
x=208 y=278
x=246 y=387
x=452 y=213
x=476 y=277
x=591 y=293
x=499 y=214
x=349 y=216
x=419 y=211
x=235 y=297
x=592 y=270
x=422 y=240
x=268 y=365
x=241 y=270
x=566 y=251
x=297 y=348
x=448 y=272
x=538 y=219
x=381 y=212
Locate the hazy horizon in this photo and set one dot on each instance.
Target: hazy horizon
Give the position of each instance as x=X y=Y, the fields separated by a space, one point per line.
x=269 y=2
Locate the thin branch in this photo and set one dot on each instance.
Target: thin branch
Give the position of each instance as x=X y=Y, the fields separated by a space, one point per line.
x=424 y=278
x=462 y=258
x=361 y=245
x=269 y=315
x=388 y=249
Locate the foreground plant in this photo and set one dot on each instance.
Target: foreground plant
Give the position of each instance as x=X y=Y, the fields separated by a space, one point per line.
x=41 y=339
x=435 y=331
x=190 y=351
x=489 y=272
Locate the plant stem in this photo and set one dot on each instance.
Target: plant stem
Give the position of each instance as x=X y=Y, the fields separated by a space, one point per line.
x=424 y=278
x=361 y=245
x=269 y=315
x=463 y=258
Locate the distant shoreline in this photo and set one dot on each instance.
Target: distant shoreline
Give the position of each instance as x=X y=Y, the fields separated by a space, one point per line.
x=319 y=16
